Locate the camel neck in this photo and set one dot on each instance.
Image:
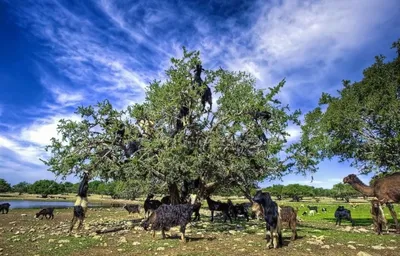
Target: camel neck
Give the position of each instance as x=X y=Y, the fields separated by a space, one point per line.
x=364 y=189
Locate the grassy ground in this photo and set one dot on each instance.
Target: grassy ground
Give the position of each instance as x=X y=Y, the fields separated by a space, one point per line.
x=21 y=234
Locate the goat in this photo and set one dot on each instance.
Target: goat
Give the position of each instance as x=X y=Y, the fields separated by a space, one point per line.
x=311 y=213
x=240 y=209
x=132 y=208
x=4 y=208
x=378 y=217
x=167 y=216
x=342 y=213
x=218 y=206
x=272 y=218
x=289 y=215
x=313 y=208
x=323 y=210
x=304 y=213
x=150 y=205
x=45 y=212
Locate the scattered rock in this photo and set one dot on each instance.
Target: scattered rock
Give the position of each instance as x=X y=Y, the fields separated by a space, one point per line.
x=135 y=243
x=351 y=247
x=97 y=237
x=315 y=242
x=120 y=249
x=63 y=241
x=160 y=249
x=325 y=247
x=378 y=247
x=52 y=240
x=361 y=253
x=32 y=230
x=351 y=242
x=24 y=215
x=122 y=239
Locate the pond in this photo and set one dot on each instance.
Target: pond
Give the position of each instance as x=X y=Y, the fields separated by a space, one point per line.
x=30 y=204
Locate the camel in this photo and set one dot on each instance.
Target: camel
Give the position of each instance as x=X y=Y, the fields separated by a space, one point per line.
x=386 y=189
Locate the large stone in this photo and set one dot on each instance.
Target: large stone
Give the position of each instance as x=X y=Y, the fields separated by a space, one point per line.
x=351 y=247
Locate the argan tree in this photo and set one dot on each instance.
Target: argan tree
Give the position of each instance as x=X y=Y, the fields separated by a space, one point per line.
x=171 y=139
x=362 y=123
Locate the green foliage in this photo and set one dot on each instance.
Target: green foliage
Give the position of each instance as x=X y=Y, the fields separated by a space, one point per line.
x=22 y=187
x=4 y=186
x=341 y=190
x=45 y=187
x=293 y=190
x=362 y=123
x=223 y=146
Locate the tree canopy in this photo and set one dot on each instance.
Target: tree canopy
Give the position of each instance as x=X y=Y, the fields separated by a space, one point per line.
x=362 y=123
x=168 y=139
x=4 y=186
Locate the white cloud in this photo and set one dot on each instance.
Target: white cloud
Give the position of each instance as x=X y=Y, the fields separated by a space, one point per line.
x=41 y=131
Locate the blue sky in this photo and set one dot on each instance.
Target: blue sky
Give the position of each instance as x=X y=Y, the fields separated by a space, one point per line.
x=57 y=55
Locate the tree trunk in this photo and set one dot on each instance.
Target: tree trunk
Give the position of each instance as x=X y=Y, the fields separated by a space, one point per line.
x=174 y=193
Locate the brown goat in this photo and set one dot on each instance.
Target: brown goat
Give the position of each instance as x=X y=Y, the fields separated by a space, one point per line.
x=289 y=215
x=378 y=217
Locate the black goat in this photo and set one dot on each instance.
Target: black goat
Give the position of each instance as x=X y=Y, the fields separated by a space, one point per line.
x=272 y=219
x=218 y=206
x=342 y=213
x=47 y=213
x=4 y=208
x=304 y=214
x=167 y=216
x=323 y=210
x=315 y=208
x=150 y=205
x=132 y=208
x=240 y=209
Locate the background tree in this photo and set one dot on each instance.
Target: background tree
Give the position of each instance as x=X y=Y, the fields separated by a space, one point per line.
x=344 y=191
x=362 y=123
x=237 y=143
x=22 y=187
x=4 y=186
x=45 y=187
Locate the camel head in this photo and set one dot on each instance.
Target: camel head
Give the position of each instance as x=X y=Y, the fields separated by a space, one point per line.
x=350 y=179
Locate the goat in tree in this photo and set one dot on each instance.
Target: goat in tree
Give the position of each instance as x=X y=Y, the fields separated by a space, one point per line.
x=386 y=189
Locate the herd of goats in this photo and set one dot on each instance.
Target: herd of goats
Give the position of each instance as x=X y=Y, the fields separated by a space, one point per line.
x=162 y=215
